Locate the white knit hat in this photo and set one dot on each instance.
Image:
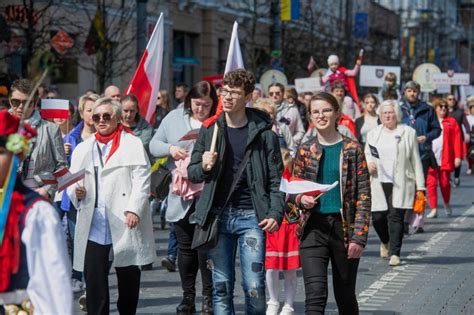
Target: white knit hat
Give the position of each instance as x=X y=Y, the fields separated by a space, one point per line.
x=333 y=59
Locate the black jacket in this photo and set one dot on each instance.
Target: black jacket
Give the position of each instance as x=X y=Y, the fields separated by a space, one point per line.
x=264 y=168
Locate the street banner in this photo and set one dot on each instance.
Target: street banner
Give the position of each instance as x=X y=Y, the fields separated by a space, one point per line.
x=451 y=78
x=145 y=84
x=308 y=85
x=234 y=62
x=372 y=76
x=54 y=108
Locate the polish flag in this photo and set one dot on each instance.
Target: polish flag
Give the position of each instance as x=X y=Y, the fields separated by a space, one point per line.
x=234 y=62
x=295 y=185
x=54 y=108
x=145 y=84
x=63 y=177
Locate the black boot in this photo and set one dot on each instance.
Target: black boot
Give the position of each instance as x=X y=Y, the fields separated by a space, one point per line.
x=186 y=306
x=207 y=305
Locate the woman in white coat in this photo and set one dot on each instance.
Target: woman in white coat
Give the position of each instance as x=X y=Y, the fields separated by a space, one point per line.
x=113 y=210
x=396 y=174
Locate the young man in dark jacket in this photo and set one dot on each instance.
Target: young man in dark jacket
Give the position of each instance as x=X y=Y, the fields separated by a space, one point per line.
x=422 y=118
x=255 y=206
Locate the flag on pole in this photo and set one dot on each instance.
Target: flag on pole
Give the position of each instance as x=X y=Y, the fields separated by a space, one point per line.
x=234 y=62
x=145 y=84
x=96 y=36
x=289 y=10
x=295 y=185
x=54 y=108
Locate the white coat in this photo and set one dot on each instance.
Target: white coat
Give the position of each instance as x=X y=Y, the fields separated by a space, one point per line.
x=126 y=187
x=408 y=172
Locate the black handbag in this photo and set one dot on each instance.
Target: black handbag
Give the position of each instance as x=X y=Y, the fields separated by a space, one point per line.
x=160 y=182
x=205 y=236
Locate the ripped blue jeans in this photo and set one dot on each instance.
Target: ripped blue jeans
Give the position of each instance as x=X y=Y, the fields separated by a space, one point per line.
x=238 y=228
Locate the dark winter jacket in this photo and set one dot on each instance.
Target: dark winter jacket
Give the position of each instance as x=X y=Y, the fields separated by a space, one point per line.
x=422 y=118
x=263 y=170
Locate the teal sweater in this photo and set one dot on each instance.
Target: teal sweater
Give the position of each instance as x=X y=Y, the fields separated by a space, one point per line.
x=328 y=174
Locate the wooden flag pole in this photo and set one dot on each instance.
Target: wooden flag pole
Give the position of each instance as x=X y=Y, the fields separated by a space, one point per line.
x=32 y=95
x=213 y=142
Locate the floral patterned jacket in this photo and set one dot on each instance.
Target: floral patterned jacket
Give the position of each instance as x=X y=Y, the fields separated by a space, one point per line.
x=354 y=183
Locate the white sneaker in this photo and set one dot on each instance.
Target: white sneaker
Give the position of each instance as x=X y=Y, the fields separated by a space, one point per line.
x=287 y=310
x=394 y=260
x=272 y=307
x=76 y=286
x=83 y=303
x=469 y=171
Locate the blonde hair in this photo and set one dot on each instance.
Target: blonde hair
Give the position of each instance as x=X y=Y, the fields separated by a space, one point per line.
x=92 y=97
x=287 y=159
x=266 y=105
x=165 y=100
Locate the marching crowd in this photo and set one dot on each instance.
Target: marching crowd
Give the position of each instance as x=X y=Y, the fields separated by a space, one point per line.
x=211 y=166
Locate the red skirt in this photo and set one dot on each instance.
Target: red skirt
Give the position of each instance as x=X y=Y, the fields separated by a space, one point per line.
x=282 y=248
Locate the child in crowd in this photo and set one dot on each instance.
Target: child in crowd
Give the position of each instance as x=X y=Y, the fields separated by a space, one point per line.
x=282 y=254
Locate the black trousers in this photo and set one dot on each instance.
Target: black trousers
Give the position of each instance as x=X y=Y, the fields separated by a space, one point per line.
x=323 y=241
x=190 y=261
x=389 y=224
x=96 y=272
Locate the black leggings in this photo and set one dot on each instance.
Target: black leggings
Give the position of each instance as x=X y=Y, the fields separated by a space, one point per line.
x=389 y=224
x=190 y=261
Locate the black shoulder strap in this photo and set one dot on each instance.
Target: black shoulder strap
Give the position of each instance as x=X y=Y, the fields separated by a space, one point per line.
x=236 y=179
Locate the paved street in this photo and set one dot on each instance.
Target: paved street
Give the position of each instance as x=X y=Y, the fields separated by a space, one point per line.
x=435 y=277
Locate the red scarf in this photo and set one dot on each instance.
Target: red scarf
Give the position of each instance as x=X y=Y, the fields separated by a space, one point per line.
x=10 y=249
x=114 y=136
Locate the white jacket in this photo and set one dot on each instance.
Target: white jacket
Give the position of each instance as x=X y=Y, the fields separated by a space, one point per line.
x=126 y=187
x=408 y=172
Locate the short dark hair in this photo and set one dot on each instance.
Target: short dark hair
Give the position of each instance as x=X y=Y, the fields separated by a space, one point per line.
x=389 y=95
x=240 y=77
x=24 y=86
x=278 y=84
x=201 y=89
x=182 y=85
x=338 y=85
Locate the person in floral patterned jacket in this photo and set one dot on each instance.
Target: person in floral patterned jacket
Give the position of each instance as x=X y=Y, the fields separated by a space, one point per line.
x=335 y=226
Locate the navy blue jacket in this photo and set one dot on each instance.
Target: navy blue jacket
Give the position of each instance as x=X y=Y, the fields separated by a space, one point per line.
x=422 y=118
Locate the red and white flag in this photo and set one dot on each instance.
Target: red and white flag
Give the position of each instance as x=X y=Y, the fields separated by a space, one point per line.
x=63 y=177
x=145 y=84
x=311 y=65
x=296 y=185
x=234 y=62
x=54 y=108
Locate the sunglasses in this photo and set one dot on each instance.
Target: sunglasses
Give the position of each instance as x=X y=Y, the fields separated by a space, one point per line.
x=274 y=93
x=443 y=106
x=98 y=117
x=16 y=102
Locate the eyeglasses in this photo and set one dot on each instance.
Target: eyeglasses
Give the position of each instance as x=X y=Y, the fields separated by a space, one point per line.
x=274 y=93
x=98 y=117
x=233 y=94
x=16 y=102
x=443 y=106
x=450 y=99
x=324 y=112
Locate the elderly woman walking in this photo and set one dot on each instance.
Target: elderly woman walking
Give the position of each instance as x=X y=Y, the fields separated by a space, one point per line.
x=396 y=173
x=113 y=210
